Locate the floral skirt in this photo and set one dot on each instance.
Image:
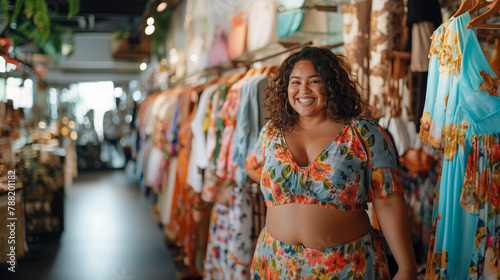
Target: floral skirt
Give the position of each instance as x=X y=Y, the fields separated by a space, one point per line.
x=363 y=258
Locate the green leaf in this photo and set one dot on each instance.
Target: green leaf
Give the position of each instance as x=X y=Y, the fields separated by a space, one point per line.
x=341 y=186
x=349 y=275
x=283 y=186
x=275 y=247
x=327 y=185
x=279 y=180
x=272 y=174
x=5 y=11
x=286 y=170
x=371 y=141
x=42 y=19
x=74 y=8
x=324 y=156
x=343 y=150
x=301 y=181
x=336 y=277
x=29 y=8
x=349 y=156
x=364 y=130
x=308 y=185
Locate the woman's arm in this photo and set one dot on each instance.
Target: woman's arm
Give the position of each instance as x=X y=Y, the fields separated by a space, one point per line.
x=392 y=214
x=254 y=174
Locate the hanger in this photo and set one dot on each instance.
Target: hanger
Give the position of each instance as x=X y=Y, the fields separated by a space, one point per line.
x=270 y=70
x=479 y=5
x=478 y=21
x=249 y=73
x=466 y=6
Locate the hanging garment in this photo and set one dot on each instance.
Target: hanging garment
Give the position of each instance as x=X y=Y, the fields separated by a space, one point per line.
x=247 y=125
x=197 y=126
x=424 y=10
x=462 y=117
x=240 y=244
x=420 y=189
x=420 y=44
x=181 y=197
x=218 y=50
x=380 y=41
x=356 y=19
x=495 y=60
x=216 y=260
x=290 y=20
x=237 y=39
x=226 y=167
x=215 y=127
x=263 y=111
x=261 y=24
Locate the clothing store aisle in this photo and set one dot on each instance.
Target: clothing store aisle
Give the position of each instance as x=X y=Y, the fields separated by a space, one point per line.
x=109 y=234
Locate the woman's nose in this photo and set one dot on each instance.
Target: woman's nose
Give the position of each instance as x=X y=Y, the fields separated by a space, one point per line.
x=304 y=88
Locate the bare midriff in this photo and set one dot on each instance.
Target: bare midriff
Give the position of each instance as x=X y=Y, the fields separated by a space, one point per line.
x=314 y=226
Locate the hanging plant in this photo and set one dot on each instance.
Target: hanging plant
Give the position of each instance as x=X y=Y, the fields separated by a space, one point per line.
x=162 y=31
x=29 y=21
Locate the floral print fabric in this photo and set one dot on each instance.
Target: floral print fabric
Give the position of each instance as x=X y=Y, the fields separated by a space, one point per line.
x=356 y=167
x=462 y=118
x=363 y=258
x=216 y=260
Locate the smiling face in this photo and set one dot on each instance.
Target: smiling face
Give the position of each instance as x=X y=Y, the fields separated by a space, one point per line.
x=304 y=90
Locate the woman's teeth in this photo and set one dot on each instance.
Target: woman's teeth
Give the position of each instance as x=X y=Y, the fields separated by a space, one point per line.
x=305 y=101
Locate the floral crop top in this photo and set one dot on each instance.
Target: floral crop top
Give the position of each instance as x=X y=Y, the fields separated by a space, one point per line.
x=343 y=176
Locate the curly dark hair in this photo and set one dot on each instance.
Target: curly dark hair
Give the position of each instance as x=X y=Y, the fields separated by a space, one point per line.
x=342 y=98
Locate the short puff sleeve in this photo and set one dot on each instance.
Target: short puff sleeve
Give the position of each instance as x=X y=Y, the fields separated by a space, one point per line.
x=382 y=173
x=257 y=156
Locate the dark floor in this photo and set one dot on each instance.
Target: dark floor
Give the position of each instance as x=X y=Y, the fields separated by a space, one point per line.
x=109 y=234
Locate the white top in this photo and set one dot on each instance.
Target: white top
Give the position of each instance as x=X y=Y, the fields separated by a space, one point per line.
x=200 y=143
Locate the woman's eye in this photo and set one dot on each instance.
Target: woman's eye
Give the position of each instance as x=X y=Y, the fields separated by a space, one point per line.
x=315 y=81
x=295 y=82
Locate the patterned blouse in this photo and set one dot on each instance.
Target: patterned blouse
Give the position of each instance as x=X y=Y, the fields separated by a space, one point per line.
x=343 y=176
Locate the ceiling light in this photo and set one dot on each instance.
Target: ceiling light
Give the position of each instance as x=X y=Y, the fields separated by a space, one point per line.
x=137 y=95
x=150 y=29
x=161 y=7
x=42 y=125
x=150 y=21
x=143 y=66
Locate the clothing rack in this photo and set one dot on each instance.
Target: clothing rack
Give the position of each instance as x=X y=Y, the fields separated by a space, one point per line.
x=236 y=64
x=248 y=63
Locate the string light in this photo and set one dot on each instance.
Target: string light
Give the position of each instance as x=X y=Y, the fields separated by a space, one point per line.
x=161 y=7
x=150 y=21
x=143 y=66
x=150 y=29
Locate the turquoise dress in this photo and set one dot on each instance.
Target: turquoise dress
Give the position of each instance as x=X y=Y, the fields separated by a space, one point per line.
x=462 y=118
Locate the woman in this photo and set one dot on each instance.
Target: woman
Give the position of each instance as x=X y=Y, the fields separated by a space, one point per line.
x=318 y=163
